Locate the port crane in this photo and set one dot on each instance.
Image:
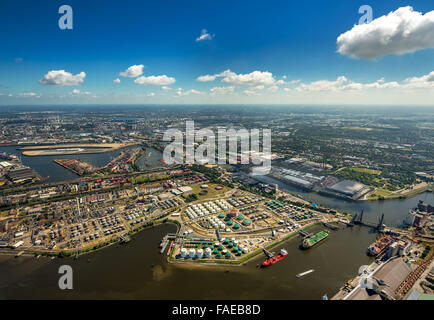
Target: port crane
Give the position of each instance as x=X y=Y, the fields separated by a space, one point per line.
x=268 y=254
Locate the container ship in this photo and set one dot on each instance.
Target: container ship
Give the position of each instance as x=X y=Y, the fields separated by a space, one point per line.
x=315 y=239
x=272 y=259
x=379 y=246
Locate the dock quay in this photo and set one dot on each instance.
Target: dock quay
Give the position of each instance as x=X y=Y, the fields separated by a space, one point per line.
x=305 y=234
x=164 y=245
x=330 y=226
x=19 y=254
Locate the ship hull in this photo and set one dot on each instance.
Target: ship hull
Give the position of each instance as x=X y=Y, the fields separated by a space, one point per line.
x=306 y=244
x=313 y=245
x=271 y=261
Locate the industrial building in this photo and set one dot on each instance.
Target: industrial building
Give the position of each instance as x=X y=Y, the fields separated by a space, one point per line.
x=349 y=189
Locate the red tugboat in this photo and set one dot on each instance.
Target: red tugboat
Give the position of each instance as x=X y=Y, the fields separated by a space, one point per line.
x=272 y=259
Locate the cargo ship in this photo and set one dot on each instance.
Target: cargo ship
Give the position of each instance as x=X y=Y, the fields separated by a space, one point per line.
x=170 y=247
x=272 y=259
x=315 y=239
x=379 y=246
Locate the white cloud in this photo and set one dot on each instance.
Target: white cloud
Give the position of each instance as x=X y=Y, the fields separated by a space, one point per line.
x=426 y=81
x=62 y=78
x=273 y=89
x=250 y=92
x=117 y=80
x=155 y=80
x=179 y=92
x=30 y=95
x=208 y=78
x=165 y=88
x=133 y=71
x=77 y=92
x=204 y=35
x=322 y=85
x=222 y=90
x=151 y=94
x=401 y=31
x=342 y=84
x=253 y=78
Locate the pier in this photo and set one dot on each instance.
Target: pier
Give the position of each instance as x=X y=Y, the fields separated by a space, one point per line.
x=305 y=234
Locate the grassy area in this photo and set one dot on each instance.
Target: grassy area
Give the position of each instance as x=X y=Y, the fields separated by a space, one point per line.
x=366 y=170
x=382 y=194
x=212 y=191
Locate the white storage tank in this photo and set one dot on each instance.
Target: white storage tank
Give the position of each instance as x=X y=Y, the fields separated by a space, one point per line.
x=192 y=253
x=183 y=252
x=208 y=252
x=200 y=253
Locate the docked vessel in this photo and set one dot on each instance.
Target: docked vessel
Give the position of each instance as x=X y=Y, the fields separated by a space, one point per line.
x=315 y=239
x=304 y=273
x=272 y=259
x=379 y=246
x=170 y=247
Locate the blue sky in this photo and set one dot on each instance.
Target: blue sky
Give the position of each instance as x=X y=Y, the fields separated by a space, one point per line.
x=294 y=41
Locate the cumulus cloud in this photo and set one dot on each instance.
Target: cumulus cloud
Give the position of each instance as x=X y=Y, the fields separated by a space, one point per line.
x=222 y=90
x=180 y=92
x=155 y=80
x=117 y=80
x=77 y=92
x=342 y=84
x=151 y=94
x=401 y=31
x=273 y=89
x=253 y=78
x=62 y=78
x=204 y=35
x=30 y=95
x=323 y=85
x=133 y=71
x=424 y=82
x=250 y=92
x=209 y=78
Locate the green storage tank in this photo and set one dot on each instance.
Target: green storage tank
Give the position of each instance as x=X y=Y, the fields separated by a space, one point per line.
x=247 y=222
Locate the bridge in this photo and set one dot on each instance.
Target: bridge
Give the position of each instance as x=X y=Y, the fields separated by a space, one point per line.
x=305 y=234
x=358 y=220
